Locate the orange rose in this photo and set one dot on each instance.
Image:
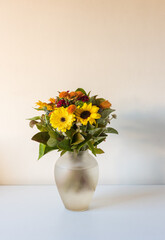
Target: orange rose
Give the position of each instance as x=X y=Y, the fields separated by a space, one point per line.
x=63 y=94
x=79 y=93
x=105 y=104
x=71 y=108
x=72 y=94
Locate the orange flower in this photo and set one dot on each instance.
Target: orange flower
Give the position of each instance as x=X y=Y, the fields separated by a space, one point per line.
x=52 y=100
x=71 y=108
x=105 y=104
x=63 y=94
x=49 y=107
x=72 y=94
x=79 y=93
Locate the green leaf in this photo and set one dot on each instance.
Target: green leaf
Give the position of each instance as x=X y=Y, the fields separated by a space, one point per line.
x=77 y=138
x=89 y=93
x=90 y=127
x=56 y=135
x=34 y=118
x=111 y=130
x=91 y=147
x=48 y=149
x=41 y=137
x=63 y=152
x=32 y=123
x=41 y=127
x=70 y=133
x=81 y=90
x=79 y=103
x=52 y=142
x=93 y=100
x=79 y=146
x=43 y=149
x=101 y=122
x=83 y=129
x=64 y=145
x=103 y=135
x=96 y=132
x=99 y=100
x=105 y=112
x=39 y=109
x=98 y=140
x=98 y=151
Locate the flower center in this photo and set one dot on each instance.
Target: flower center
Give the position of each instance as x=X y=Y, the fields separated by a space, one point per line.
x=85 y=114
x=63 y=119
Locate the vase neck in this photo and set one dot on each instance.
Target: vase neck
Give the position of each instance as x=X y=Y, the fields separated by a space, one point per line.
x=72 y=160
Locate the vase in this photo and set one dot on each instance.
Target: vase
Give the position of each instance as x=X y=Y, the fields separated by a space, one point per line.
x=76 y=177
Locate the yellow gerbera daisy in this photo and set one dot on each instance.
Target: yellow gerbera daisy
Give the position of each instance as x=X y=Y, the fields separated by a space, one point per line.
x=87 y=112
x=61 y=119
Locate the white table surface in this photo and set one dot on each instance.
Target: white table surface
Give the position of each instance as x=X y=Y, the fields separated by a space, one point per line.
x=116 y=212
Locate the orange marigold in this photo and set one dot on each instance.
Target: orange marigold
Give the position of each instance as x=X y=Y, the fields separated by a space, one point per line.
x=63 y=94
x=71 y=108
x=72 y=94
x=105 y=104
x=79 y=93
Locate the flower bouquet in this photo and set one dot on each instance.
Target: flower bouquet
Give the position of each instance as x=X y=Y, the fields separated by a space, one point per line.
x=73 y=123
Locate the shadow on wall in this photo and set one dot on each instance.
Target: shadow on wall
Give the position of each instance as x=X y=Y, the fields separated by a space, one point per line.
x=145 y=133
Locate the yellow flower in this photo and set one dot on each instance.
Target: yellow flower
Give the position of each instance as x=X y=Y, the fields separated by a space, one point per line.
x=87 y=112
x=61 y=119
x=49 y=107
x=41 y=105
x=52 y=100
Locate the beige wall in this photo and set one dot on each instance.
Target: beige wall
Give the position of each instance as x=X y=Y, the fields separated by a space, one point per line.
x=115 y=49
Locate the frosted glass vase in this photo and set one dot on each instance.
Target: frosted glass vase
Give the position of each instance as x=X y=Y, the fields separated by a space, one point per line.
x=76 y=177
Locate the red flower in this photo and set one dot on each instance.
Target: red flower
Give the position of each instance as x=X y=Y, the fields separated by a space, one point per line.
x=83 y=98
x=62 y=102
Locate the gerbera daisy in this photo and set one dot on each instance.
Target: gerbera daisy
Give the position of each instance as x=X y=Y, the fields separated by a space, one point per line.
x=87 y=112
x=61 y=119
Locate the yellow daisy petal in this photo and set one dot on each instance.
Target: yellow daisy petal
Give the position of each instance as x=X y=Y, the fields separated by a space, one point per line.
x=87 y=113
x=61 y=119
x=94 y=109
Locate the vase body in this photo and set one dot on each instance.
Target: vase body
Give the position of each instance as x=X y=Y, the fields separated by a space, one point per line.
x=76 y=177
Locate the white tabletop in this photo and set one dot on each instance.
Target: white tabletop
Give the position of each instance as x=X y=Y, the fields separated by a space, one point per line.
x=116 y=212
